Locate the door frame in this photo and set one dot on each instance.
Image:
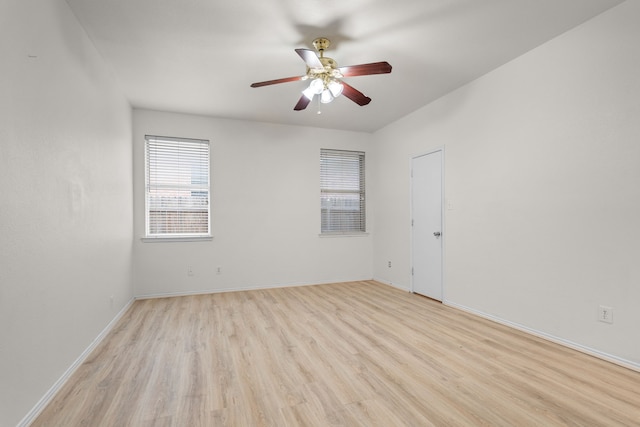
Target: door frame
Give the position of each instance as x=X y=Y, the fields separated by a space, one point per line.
x=442 y=214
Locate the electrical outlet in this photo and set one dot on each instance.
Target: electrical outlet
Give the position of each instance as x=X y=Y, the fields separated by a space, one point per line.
x=189 y=271
x=605 y=314
x=219 y=270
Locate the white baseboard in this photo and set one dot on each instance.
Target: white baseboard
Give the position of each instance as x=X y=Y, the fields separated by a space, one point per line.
x=395 y=285
x=242 y=288
x=575 y=346
x=50 y=394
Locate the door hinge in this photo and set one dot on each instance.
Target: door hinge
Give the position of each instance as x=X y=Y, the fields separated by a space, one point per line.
x=412 y=223
x=412 y=271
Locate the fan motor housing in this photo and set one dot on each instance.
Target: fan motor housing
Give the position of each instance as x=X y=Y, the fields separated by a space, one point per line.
x=321 y=43
x=328 y=62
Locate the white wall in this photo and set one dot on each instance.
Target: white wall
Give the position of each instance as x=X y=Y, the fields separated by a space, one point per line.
x=265 y=210
x=66 y=205
x=542 y=168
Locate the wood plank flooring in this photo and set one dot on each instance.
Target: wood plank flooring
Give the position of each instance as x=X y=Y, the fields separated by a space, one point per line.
x=346 y=354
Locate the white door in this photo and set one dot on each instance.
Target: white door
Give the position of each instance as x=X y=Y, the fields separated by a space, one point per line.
x=426 y=219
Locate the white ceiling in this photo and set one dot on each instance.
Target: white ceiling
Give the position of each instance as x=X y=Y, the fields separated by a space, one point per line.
x=200 y=56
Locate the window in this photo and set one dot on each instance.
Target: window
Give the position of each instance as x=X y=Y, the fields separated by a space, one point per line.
x=342 y=201
x=177 y=187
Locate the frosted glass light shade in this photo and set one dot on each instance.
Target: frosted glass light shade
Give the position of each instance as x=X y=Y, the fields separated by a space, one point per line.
x=336 y=88
x=326 y=96
x=317 y=86
x=309 y=93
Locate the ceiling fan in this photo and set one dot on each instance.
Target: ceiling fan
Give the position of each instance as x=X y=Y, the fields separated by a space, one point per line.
x=326 y=76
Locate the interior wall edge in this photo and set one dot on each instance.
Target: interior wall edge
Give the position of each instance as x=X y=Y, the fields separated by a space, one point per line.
x=565 y=343
x=55 y=388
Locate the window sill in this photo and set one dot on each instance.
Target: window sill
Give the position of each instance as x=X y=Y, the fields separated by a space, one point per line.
x=351 y=234
x=176 y=239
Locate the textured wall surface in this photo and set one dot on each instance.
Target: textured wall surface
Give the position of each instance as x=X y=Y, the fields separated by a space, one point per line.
x=66 y=204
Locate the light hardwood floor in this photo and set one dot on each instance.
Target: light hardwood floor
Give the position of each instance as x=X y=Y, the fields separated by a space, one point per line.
x=346 y=354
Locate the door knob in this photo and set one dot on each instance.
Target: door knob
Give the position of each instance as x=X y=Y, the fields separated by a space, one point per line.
x=437 y=234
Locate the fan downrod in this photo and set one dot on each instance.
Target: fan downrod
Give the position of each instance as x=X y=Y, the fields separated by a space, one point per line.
x=322 y=43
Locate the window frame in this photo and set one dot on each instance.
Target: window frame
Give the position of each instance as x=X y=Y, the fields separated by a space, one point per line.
x=199 y=186
x=360 y=225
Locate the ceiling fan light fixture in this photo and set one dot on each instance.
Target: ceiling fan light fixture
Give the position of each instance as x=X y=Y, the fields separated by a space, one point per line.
x=325 y=76
x=326 y=96
x=309 y=93
x=317 y=86
x=335 y=87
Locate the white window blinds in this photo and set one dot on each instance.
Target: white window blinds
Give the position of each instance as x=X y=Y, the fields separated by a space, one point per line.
x=177 y=187
x=342 y=196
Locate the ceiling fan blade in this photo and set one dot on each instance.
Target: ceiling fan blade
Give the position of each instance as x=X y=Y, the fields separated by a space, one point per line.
x=366 y=69
x=302 y=103
x=273 y=82
x=355 y=95
x=310 y=58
